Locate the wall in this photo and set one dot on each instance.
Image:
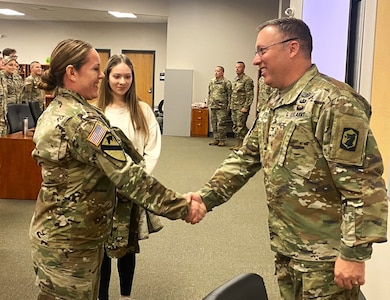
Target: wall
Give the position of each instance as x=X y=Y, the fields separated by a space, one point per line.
x=36 y=40
x=212 y=33
x=378 y=268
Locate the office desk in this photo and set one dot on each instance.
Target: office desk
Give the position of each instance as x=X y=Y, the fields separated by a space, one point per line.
x=20 y=176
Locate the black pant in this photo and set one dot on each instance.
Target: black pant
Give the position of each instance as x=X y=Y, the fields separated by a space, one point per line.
x=126 y=267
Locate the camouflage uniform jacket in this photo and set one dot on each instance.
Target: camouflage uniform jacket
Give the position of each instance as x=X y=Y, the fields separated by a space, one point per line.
x=31 y=91
x=322 y=171
x=264 y=93
x=242 y=92
x=3 y=108
x=82 y=162
x=14 y=85
x=219 y=93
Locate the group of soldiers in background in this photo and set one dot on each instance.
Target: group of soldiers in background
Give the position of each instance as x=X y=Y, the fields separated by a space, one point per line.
x=13 y=89
x=232 y=99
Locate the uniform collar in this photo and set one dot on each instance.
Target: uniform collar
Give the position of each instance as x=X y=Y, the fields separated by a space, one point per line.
x=291 y=93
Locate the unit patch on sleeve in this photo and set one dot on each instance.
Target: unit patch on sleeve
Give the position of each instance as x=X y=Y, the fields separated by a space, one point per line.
x=349 y=139
x=111 y=147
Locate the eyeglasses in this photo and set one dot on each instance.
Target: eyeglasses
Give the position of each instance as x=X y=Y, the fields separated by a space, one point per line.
x=260 y=51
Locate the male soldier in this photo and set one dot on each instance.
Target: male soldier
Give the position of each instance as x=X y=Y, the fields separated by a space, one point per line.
x=241 y=101
x=31 y=91
x=220 y=90
x=322 y=170
x=264 y=93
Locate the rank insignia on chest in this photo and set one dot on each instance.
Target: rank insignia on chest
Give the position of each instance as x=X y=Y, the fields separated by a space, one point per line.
x=349 y=139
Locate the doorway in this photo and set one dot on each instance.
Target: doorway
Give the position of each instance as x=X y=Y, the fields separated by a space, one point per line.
x=144 y=65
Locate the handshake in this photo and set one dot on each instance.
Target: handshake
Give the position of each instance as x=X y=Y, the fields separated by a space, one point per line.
x=197 y=208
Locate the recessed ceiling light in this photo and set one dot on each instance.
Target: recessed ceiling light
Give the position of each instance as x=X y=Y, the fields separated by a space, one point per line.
x=118 y=14
x=10 y=12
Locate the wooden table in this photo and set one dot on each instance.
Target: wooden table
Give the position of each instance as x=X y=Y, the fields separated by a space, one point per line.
x=20 y=176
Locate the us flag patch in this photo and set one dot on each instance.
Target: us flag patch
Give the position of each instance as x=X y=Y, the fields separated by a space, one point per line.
x=97 y=134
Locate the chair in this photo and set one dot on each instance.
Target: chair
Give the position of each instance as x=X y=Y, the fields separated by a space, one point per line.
x=248 y=286
x=159 y=113
x=36 y=110
x=361 y=296
x=15 y=113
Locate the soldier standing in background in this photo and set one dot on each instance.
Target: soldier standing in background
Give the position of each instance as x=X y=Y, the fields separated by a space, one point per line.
x=3 y=108
x=322 y=169
x=264 y=93
x=220 y=90
x=12 y=79
x=31 y=91
x=240 y=103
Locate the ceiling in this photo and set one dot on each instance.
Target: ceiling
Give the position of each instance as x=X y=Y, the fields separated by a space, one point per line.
x=37 y=12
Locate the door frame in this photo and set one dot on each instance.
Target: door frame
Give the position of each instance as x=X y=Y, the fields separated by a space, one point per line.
x=153 y=52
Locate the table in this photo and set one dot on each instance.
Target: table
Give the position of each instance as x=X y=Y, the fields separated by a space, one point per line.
x=20 y=176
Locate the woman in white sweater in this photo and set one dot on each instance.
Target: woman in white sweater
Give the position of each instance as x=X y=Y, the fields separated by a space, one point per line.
x=119 y=101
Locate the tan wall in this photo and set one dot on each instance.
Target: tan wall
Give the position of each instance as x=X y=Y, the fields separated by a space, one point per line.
x=380 y=96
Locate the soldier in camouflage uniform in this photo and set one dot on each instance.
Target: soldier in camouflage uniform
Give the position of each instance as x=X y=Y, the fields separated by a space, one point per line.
x=322 y=170
x=240 y=103
x=12 y=79
x=84 y=162
x=31 y=91
x=220 y=90
x=3 y=108
x=264 y=93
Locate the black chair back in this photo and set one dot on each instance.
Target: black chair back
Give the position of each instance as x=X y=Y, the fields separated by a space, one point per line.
x=15 y=114
x=248 y=286
x=36 y=110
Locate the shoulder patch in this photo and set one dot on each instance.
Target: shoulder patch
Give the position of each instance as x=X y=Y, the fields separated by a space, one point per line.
x=349 y=139
x=111 y=147
x=97 y=134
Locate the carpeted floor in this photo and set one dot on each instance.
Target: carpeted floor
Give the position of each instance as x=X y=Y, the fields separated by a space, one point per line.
x=181 y=262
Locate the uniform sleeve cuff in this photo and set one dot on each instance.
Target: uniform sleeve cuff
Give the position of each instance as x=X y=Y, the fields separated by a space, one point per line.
x=356 y=253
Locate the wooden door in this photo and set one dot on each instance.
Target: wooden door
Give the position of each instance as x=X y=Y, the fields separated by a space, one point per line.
x=143 y=62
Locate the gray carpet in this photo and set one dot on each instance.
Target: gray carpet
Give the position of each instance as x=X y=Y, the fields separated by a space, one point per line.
x=181 y=262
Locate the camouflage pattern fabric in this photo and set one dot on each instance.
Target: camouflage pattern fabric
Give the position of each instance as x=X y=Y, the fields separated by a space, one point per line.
x=219 y=94
x=309 y=280
x=70 y=274
x=14 y=85
x=264 y=93
x=3 y=108
x=83 y=164
x=242 y=92
x=322 y=172
x=242 y=97
x=218 y=101
x=31 y=92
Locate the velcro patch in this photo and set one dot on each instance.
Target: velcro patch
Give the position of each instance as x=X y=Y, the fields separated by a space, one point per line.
x=111 y=147
x=349 y=140
x=349 y=136
x=97 y=134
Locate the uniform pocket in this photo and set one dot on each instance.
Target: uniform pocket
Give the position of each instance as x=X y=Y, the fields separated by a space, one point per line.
x=299 y=150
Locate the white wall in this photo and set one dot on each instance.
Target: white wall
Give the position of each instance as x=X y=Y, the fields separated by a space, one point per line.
x=203 y=34
x=36 y=40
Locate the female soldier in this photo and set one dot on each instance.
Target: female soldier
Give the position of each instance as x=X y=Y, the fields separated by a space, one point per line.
x=83 y=162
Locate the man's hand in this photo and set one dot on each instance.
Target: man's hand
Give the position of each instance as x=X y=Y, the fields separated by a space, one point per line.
x=349 y=273
x=197 y=208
